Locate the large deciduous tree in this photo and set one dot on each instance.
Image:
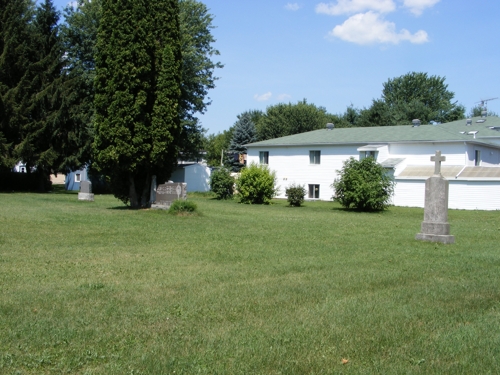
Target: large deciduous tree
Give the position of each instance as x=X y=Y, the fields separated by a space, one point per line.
x=79 y=37
x=197 y=72
x=286 y=119
x=138 y=95
x=417 y=95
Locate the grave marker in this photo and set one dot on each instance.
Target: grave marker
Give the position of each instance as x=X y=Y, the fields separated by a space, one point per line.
x=167 y=193
x=435 y=227
x=85 y=193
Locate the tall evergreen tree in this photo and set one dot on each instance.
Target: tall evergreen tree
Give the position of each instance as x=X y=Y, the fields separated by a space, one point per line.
x=244 y=132
x=137 y=100
x=16 y=56
x=80 y=36
x=40 y=133
x=32 y=57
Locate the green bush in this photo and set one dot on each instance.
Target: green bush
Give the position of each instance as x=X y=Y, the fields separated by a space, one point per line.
x=182 y=207
x=363 y=185
x=256 y=184
x=222 y=183
x=295 y=195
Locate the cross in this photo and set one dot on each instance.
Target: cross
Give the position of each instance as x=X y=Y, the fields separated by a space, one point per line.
x=437 y=159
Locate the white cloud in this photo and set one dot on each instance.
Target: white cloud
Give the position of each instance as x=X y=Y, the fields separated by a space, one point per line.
x=263 y=97
x=283 y=97
x=355 y=6
x=417 y=6
x=292 y=6
x=370 y=28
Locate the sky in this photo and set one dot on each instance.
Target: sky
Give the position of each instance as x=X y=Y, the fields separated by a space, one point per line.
x=336 y=54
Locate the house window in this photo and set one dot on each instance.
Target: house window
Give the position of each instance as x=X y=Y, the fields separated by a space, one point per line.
x=264 y=157
x=368 y=154
x=314 y=157
x=77 y=177
x=314 y=191
x=477 y=158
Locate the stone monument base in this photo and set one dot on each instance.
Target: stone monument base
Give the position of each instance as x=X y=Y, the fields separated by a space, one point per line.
x=88 y=197
x=443 y=238
x=156 y=206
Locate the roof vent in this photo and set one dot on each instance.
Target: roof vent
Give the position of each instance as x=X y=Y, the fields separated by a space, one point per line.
x=481 y=120
x=473 y=133
x=469 y=122
x=330 y=126
x=415 y=122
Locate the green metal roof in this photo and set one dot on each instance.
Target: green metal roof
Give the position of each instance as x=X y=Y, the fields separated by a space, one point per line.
x=449 y=132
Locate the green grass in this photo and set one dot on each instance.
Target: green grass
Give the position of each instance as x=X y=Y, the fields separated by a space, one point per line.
x=92 y=288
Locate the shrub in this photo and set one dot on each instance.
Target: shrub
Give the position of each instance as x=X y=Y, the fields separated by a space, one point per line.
x=363 y=185
x=182 y=207
x=256 y=184
x=222 y=183
x=295 y=195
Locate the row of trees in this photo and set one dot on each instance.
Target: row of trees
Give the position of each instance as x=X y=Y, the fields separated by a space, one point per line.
x=410 y=96
x=117 y=85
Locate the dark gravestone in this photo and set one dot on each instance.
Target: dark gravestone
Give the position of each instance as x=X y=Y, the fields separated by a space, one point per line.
x=435 y=227
x=85 y=193
x=167 y=193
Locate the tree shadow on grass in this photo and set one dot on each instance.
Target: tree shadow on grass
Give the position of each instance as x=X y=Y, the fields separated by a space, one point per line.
x=356 y=211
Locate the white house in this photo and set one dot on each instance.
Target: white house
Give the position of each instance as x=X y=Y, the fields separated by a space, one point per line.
x=472 y=166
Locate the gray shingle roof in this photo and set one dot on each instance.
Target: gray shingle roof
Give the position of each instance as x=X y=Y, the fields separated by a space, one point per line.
x=448 y=132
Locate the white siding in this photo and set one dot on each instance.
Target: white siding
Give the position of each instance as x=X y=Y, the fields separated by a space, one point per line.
x=474 y=195
x=420 y=153
x=291 y=165
x=464 y=195
x=409 y=193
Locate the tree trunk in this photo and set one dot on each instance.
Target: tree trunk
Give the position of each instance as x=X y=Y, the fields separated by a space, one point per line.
x=134 y=202
x=145 y=192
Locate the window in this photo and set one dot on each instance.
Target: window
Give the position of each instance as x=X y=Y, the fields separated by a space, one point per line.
x=314 y=191
x=314 y=157
x=368 y=154
x=477 y=158
x=77 y=177
x=264 y=157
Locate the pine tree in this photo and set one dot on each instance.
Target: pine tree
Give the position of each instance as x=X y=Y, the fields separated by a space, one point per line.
x=137 y=95
x=16 y=51
x=31 y=66
x=244 y=132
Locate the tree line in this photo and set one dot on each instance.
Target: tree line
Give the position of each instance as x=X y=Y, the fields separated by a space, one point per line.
x=116 y=85
x=414 y=95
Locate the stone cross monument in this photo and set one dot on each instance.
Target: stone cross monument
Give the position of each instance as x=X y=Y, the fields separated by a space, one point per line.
x=435 y=227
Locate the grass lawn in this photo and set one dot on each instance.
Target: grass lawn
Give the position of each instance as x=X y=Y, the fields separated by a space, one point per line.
x=93 y=288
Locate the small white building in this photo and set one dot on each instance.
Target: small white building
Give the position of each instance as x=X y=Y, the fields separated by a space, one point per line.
x=196 y=175
x=472 y=166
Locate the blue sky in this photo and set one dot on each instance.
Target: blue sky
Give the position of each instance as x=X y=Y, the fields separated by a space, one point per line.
x=339 y=53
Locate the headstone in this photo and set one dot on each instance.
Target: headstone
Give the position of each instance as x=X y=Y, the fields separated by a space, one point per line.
x=435 y=227
x=167 y=193
x=85 y=193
